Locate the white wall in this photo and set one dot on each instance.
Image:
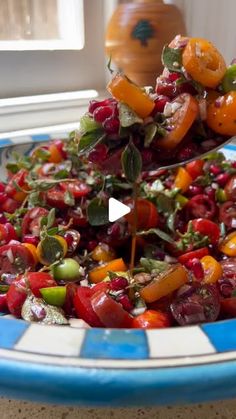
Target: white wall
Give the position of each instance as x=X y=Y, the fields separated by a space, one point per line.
x=214 y=20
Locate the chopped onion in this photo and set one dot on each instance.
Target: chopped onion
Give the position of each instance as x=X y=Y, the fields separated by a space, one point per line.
x=10 y=256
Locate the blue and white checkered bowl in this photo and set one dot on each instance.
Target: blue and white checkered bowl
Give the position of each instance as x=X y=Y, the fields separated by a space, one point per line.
x=114 y=367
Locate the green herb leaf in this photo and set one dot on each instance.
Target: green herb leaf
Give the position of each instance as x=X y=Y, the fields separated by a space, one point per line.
x=150 y=133
x=161 y=234
x=165 y=204
x=88 y=124
x=42 y=154
x=151 y=265
x=172 y=58
x=52 y=231
x=4 y=288
x=51 y=218
x=89 y=140
x=69 y=199
x=215 y=155
x=97 y=212
x=127 y=116
x=51 y=249
x=62 y=174
x=171 y=222
x=34 y=199
x=131 y=161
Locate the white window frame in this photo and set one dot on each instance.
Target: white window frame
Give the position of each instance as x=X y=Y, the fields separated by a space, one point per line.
x=26 y=73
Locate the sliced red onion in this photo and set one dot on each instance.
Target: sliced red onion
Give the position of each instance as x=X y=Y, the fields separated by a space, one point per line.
x=185 y=291
x=38 y=312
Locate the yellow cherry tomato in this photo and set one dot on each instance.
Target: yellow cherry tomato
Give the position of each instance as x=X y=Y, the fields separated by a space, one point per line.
x=55 y=155
x=221 y=114
x=203 y=62
x=165 y=283
x=99 y=273
x=183 y=179
x=125 y=91
x=103 y=253
x=33 y=251
x=212 y=269
x=228 y=245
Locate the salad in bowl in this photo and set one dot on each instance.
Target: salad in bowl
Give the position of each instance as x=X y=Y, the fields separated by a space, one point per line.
x=171 y=260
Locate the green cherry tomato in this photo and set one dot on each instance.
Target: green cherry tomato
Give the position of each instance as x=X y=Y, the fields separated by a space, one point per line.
x=54 y=296
x=229 y=80
x=67 y=270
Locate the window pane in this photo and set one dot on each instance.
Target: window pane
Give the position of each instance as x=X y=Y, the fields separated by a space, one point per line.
x=41 y=24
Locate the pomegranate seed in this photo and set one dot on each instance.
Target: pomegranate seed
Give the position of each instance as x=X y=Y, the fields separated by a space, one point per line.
x=233 y=164
x=3 y=197
x=196 y=268
x=93 y=104
x=114 y=231
x=165 y=87
x=187 y=88
x=168 y=183
x=3 y=219
x=194 y=190
x=147 y=156
x=186 y=153
x=125 y=302
x=102 y=113
x=111 y=125
x=99 y=154
x=160 y=103
x=210 y=192
x=91 y=245
x=222 y=179
x=118 y=283
x=215 y=170
x=29 y=238
x=173 y=77
x=2 y=187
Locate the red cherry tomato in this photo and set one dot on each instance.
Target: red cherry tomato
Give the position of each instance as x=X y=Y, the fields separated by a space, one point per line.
x=15 y=259
x=17 y=293
x=78 y=217
x=151 y=319
x=110 y=312
x=147 y=215
x=228 y=306
x=3 y=303
x=230 y=189
x=200 y=206
x=195 y=168
x=9 y=205
x=77 y=189
x=83 y=305
x=227 y=214
x=56 y=198
x=198 y=254
x=207 y=228
x=19 y=179
x=7 y=233
x=32 y=219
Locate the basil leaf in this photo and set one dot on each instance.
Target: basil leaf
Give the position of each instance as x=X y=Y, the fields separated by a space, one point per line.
x=152 y=264
x=97 y=213
x=161 y=234
x=150 y=133
x=172 y=58
x=88 y=124
x=131 y=161
x=127 y=116
x=89 y=140
x=69 y=199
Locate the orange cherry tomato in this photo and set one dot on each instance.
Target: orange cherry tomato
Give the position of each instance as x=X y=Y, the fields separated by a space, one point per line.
x=99 y=273
x=180 y=121
x=221 y=116
x=183 y=179
x=147 y=215
x=43 y=258
x=20 y=180
x=165 y=283
x=33 y=251
x=212 y=269
x=125 y=91
x=103 y=253
x=228 y=245
x=195 y=168
x=151 y=319
x=203 y=62
x=55 y=155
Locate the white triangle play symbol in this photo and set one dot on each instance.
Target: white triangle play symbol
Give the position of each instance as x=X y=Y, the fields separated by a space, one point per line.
x=116 y=209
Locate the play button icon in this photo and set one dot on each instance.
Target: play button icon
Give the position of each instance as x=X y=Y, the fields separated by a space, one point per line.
x=116 y=210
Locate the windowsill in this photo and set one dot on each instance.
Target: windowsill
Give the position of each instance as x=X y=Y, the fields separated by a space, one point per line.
x=43 y=111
